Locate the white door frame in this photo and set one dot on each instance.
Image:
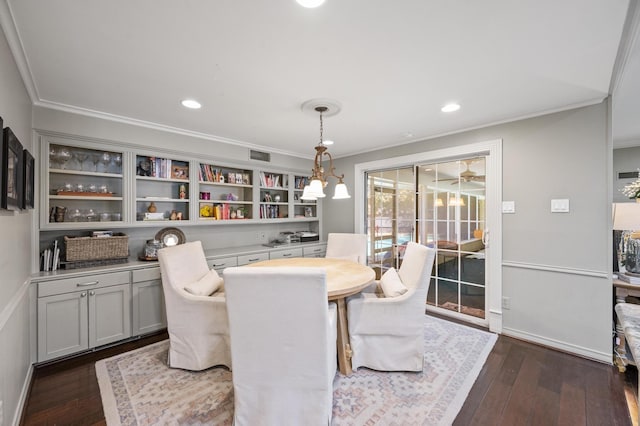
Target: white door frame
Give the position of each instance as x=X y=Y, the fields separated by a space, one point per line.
x=493 y=230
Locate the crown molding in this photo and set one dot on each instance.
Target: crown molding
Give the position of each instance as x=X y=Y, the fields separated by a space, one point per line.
x=8 y=24
x=163 y=128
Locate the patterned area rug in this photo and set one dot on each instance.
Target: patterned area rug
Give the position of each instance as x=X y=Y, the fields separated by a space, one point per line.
x=138 y=388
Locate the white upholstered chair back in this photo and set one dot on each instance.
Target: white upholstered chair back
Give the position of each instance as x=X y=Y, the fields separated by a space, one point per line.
x=283 y=345
x=198 y=325
x=347 y=246
x=387 y=334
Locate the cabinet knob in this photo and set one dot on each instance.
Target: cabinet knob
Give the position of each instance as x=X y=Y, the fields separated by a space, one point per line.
x=83 y=294
x=92 y=293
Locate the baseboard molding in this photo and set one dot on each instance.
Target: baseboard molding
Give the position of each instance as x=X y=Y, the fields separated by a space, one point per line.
x=583 y=352
x=24 y=395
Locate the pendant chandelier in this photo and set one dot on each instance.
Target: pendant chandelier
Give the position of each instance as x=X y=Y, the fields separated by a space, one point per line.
x=319 y=175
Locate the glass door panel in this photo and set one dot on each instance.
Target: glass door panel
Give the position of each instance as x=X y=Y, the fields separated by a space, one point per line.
x=390 y=216
x=451 y=220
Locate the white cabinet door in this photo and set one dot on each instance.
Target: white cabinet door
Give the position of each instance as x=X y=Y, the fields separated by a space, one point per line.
x=62 y=325
x=109 y=314
x=149 y=313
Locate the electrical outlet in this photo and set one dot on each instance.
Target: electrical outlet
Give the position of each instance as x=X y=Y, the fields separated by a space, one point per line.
x=261 y=236
x=506 y=303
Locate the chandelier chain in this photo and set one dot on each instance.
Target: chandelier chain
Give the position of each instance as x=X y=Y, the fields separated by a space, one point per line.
x=320 y=127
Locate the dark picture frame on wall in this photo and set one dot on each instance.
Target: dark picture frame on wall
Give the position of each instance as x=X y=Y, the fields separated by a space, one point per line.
x=28 y=183
x=11 y=166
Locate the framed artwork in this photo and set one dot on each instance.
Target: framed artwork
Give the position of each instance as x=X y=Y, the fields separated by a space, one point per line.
x=28 y=183
x=11 y=166
x=180 y=172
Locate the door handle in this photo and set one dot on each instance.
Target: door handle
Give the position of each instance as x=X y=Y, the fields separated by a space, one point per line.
x=485 y=238
x=88 y=284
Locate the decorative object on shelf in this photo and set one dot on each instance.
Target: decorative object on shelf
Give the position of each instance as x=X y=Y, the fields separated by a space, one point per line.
x=276 y=198
x=11 y=197
x=171 y=237
x=320 y=174
x=180 y=172
x=60 y=212
x=182 y=192
x=205 y=195
x=240 y=213
x=144 y=167
x=96 y=248
x=151 y=249
x=152 y=207
x=173 y=215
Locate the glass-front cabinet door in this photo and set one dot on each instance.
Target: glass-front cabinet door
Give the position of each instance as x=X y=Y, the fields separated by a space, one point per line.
x=82 y=184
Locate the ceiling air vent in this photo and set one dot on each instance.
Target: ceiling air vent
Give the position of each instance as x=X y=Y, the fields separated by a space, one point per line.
x=258 y=155
x=628 y=175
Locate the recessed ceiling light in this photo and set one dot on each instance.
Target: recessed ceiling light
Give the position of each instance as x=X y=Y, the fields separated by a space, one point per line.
x=310 y=3
x=327 y=142
x=190 y=103
x=450 y=108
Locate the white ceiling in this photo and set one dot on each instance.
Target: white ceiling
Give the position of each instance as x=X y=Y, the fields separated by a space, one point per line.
x=391 y=64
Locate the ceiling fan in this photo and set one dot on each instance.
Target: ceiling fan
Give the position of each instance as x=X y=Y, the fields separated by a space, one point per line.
x=465 y=176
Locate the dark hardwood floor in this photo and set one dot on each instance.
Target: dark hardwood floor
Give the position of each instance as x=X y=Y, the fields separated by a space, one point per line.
x=520 y=384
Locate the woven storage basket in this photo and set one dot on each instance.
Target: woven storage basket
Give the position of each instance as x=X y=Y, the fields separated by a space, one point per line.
x=96 y=248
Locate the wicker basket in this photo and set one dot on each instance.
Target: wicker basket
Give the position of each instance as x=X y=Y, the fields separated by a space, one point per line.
x=96 y=248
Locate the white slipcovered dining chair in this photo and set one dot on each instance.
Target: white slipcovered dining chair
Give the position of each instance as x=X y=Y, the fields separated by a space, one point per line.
x=386 y=321
x=283 y=345
x=347 y=246
x=197 y=323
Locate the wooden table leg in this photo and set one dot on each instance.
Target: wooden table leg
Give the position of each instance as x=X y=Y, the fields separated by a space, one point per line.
x=344 y=349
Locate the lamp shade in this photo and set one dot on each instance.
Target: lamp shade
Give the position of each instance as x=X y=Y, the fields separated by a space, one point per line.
x=306 y=194
x=341 y=192
x=316 y=188
x=626 y=216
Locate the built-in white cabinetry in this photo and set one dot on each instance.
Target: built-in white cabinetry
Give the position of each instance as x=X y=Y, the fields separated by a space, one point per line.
x=75 y=314
x=162 y=189
x=314 y=251
x=86 y=181
x=220 y=264
x=83 y=184
x=252 y=258
x=285 y=253
x=147 y=301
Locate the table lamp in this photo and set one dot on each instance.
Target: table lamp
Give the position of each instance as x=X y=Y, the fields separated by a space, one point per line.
x=626 y=218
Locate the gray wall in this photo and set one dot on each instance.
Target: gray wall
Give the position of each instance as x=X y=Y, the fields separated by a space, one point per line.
x=15 y=251
x=555 y=266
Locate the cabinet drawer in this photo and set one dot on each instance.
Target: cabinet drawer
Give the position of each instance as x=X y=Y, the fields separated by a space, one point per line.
x=314 y=251
x=280 y=254
x=223 y=262
x=88 y=282
x=147 y=274
x=251 y=258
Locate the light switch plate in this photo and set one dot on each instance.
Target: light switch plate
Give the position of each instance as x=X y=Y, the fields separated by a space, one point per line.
x=508 y=207
x=560 y=205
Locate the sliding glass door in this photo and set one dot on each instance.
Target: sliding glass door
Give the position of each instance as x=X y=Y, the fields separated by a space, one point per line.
x=441 y=205
x=451 y=218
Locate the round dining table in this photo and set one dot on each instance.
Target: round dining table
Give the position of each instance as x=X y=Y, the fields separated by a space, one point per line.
x=344 y=278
